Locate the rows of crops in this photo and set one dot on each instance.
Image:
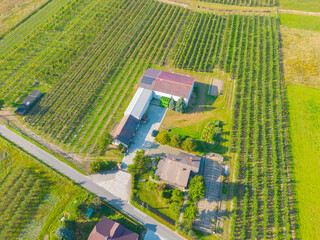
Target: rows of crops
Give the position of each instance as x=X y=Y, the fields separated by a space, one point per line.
x=251 y=3
x=88 y=60
x=248 y=47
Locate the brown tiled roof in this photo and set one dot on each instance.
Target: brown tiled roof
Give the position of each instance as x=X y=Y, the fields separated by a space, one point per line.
x=172 y=88
x=111 y=229
x=176 y=170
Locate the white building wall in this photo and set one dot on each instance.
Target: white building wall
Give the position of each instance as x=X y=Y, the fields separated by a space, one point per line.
x=158 y=95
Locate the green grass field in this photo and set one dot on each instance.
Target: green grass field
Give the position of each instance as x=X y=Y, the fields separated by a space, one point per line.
x=34 y=198
x=300 y=21
x=301 y=5
x=304 y=114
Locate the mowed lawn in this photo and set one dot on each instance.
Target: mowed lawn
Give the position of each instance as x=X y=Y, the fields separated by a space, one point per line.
x=301 y=5
x=304 y=114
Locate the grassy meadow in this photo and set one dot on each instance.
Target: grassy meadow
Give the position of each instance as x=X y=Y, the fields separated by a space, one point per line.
x=12 y=12
x=23 y=179
x=304 y=22
x=301 y=5
x=304 y=115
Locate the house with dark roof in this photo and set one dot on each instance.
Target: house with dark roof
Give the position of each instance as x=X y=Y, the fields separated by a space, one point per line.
x=125 y=130
x=106 y=229
x=28 y=102
x=176 y=170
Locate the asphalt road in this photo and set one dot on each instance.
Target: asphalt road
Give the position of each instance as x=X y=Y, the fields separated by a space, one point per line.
x=155 y=231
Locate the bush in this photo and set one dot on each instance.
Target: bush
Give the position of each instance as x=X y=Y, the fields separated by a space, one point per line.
x=157 y=159
x=163 y=138
x=162 y=186
x=175 y=141
x=140 y=164
x=151 y=185
x=174 y=207
x=166 y=194
x=103 y=143
x=177 y=195
x=69 y=224
x=189 y=145
x=100 y=165
x=64 y=233
x=157 y=178
x=172 y=104
x=181 y=106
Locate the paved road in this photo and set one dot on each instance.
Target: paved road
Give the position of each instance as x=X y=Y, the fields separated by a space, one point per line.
x=155 y=231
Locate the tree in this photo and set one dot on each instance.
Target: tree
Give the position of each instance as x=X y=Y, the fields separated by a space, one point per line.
x=100 y=165
x=103 y=143
x=181 y=106
x=175 y=208
x=163 y=138
x=151 y=185
x=189 y=145
x=172 y=104
x=197 y=189
x=64 y=233
x=140 y=163
x=177 y=195
x=162 y=186
x=175 y=141
x=1 y=103
x=190 y=212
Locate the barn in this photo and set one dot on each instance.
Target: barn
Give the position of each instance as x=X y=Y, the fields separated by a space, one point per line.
x=28 y=102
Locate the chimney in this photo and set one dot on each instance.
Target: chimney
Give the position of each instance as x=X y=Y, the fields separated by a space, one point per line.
x=191 y=159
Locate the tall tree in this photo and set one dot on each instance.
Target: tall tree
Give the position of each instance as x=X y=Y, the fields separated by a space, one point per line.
x=172 y=104
x=181 y=106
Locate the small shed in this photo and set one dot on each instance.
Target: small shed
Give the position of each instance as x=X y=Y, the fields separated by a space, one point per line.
x=89 y=213
x=216 y=87
x=28 y=102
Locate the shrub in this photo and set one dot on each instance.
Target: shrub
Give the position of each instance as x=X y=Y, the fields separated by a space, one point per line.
x=157 y=159
x=103 y=143
x=100 y=165
x=140 y=164
x=163 y=138
x=69 y=224
x=157 y=178
x=189 y=145
x=151 y=185
x=177 y=195
x=64 y=233
x=172 y=104
x=166 y=194
x=174 y=207
x=162 y=186
x=181 y=106
x=175 y=141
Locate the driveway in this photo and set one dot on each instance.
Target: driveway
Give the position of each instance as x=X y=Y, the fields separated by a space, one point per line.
x=155 y=230
x=143 y=138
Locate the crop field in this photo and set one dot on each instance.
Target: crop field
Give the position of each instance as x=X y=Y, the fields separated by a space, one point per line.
x=34 y=198
x=252 y=3
x=87 y=61
x=248 y=47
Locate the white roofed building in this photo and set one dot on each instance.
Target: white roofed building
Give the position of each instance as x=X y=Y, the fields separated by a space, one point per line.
x=139 y=103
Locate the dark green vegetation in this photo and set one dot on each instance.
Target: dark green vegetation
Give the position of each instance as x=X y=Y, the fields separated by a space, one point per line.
x=248 y=47
x=34 y=198
x=176 y=141
x=251 y=3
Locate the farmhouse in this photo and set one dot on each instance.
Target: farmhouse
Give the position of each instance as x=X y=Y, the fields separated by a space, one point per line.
x=108 y=229
x=154 y=84
x=28 y=102
x=171 y=85
x=177 y=170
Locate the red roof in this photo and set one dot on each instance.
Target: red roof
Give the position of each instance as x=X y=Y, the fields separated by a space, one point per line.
x=174 y=84
x=177 y=78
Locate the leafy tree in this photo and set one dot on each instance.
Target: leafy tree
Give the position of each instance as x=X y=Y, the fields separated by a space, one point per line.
x=163 y=138
x=172 y=104
x=1 y=103
x=181 y=106
x=174 y=207
x=190 y=212
x=197 y=189
x=64 y=233
x=189 y=145
x=151 y=185
x=69 y=224
x=166 y=194
x=175 y=141
x=103 y=143
x=140 y=163
x=217 y=130
x=177 y=195
x=157 y=159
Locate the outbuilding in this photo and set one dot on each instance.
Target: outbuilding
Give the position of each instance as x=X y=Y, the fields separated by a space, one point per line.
x=28 y=102
x=139 y=103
